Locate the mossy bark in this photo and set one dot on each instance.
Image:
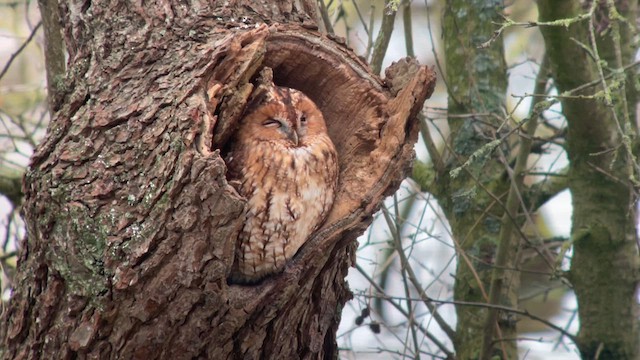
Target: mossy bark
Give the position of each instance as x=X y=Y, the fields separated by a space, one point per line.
x=604 y=267
x=471 y=194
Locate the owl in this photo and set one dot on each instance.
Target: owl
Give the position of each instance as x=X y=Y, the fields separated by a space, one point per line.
x=283 y=162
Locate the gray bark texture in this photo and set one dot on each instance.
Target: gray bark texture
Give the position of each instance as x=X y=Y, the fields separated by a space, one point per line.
x=605 y=262
x=131 y=222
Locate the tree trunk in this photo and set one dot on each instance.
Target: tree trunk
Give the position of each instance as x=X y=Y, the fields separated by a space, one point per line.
x=604 y=267
x=472 y=184
x=131 y=222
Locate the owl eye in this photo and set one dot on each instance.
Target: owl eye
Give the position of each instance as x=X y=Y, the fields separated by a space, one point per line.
x=272 y=123
x=303 y=119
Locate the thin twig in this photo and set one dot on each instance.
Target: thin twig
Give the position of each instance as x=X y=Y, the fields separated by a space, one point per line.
x=396 y=231
x=24 y=45
x=382 y=293
x=507 y=309
x=434 y=154
x=416 y=284
x=364 y=24
x=510 y=23
x=507 y=245
x=626 y=141
x=441 y=69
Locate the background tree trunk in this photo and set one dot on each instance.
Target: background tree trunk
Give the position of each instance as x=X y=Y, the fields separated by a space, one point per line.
x=472 y=183
x=604 y=268
x=131 y=222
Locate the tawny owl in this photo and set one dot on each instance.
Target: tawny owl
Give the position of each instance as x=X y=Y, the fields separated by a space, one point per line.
x=287 y=168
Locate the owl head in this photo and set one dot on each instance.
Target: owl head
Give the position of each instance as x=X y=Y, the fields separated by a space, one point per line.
x=282 y=115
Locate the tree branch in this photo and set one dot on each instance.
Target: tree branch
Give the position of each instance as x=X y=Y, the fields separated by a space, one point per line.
x=406 y=267
x=53 y=50
x=15 y=54
x=384 y=36
x=484 y=305
x=324 y=13
x=507 y=246
x=539 y=193
x=11 y=185
x=408 y=31
x=382 y=293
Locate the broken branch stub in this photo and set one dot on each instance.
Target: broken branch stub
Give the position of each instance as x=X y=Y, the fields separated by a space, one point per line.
x=371 y=122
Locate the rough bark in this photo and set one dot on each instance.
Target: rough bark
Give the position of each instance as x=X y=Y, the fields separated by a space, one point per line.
x=604 y=267
x=130 y=218
x=473 y=196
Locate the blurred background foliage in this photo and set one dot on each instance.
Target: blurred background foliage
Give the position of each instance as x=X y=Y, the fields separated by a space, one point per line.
x=23 y=117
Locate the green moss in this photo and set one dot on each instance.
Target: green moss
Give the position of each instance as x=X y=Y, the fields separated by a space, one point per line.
x=477 y=160
x=77 y=250
x=479 y=89
x=467 y=140
x=492 y=225
x=423 y=174
x=177 y=144
x=462 y=201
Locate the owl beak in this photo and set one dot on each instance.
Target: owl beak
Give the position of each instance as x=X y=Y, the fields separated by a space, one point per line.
x=293 y=136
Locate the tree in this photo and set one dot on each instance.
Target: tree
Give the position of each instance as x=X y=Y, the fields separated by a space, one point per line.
x=130 y=216
x=130 y=219
x=602 y=146
x=479 y=177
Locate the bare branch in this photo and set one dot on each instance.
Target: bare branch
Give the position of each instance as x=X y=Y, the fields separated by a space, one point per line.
x=384 y=36
x=507 y=245
x=408 y=31
x=325 y=17
x=53 y=49
x=11 y=185
x=15 y=54
x=381 y=291
x=406 y=267
x=526 y=313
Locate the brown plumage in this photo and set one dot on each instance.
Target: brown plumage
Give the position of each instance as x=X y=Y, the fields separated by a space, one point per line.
x=287 y=169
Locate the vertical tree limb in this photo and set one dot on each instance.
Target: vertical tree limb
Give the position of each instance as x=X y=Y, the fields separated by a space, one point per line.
x=53 y=51
x=384 y=36
x=471 y=197
x=407 y=24
x=603 y=233
x=507 y=239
